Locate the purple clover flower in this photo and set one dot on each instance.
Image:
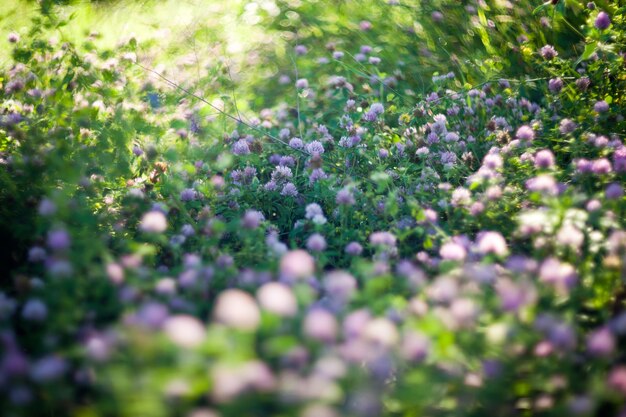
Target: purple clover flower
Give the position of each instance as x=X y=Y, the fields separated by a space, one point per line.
x=544 y=159
x=58 y=240
x=281 y=174
x=526 y=133
x=35 y=310
x=316 y=243
x=567 y=126
x=296 y=143
x=354 y=249
x=548 y=52
x=188 y=194
x=315 y=148
x=603 y=21
x=241 y=147
x=555 y=85
x=583 y=83
x=289 y=190
x=601 y=106
x=614 y=191
x=345 y=197
x=252 y=219
x=383 y=239
x=316 y=175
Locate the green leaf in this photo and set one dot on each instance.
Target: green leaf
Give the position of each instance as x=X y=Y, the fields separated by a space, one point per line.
x=540 y=8
x=589 y=50
x=474 y=186
x=68 y=77
x=481 y=17
x=560 y=7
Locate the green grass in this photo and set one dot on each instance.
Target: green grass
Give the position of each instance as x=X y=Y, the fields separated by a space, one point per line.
x=173 y=24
